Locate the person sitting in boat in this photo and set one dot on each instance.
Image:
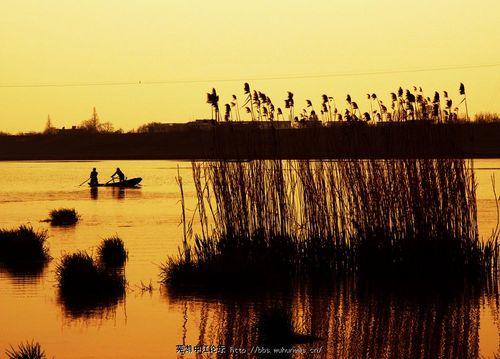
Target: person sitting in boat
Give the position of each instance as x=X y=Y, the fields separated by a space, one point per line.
x=120 y=175
x=93 y=177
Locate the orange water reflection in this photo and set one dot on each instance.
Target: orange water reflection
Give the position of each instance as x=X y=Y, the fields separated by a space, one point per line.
x=348 y=320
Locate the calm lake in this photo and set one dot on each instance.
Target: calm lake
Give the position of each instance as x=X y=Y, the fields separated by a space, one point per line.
x=352 y=321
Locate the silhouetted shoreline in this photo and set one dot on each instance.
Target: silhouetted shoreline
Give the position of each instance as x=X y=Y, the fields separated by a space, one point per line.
x=233 y=141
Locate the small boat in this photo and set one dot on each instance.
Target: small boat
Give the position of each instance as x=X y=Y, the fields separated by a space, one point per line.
x=132 y=182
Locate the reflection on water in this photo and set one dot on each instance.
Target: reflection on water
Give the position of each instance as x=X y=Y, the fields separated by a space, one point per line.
x=23 y=279
x=95 y=316
x=116 y=193
x=439 y=324
x=25 y=271
x=348 y=320
x=85 y=308
x=94 y=193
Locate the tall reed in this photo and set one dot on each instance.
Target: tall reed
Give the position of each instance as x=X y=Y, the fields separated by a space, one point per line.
x=268 y=219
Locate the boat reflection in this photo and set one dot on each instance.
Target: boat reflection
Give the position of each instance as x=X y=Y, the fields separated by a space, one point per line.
x=118 y=192
x=94 y=193
x=114 y=192
x=347 y=321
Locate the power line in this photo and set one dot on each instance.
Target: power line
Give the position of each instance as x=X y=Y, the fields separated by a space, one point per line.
x=265 y=78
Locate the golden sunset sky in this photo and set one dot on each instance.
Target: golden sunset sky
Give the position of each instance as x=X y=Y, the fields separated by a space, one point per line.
x=154 y=60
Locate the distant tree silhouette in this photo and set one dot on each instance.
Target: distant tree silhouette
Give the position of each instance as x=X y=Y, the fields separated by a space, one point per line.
x=151 y=127
x=107 y=127
x=92 y=124
x=49 y=129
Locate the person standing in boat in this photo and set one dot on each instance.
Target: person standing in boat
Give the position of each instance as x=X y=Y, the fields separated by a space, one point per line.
x=118 y=173
x=93 y=178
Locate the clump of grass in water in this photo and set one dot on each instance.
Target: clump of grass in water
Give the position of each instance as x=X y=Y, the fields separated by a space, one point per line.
x=215 y=264
x=85 y=285
x=23 y=249
x=26 y=351
x=63 y=217
x=379 y=218
x=112 y=252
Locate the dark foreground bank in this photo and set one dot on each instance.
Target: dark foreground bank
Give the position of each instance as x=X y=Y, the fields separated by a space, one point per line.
x=415 y=139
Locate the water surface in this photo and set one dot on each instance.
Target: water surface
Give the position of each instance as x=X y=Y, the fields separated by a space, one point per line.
x=150 y=324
